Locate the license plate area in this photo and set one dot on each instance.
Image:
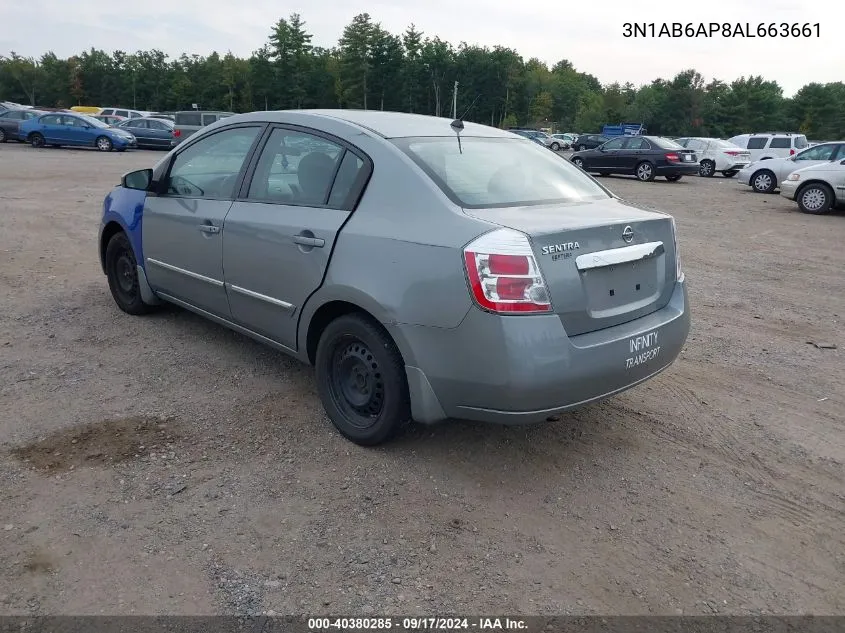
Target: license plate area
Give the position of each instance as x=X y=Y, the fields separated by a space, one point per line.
x=623 y=287
x=687 y=158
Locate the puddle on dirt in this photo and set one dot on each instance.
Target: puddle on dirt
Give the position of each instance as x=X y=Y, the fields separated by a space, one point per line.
x=97 y=444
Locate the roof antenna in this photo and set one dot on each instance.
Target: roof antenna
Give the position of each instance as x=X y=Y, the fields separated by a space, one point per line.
x=458 y=124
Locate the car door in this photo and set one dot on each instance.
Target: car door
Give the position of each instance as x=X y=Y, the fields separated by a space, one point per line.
x=632 y=153
x=183 y=222
x=52 y=129
x=77 y=131
x=814 y=156
x=138 y=127
x=159 y=134
x=607 y=156
x=280 y=234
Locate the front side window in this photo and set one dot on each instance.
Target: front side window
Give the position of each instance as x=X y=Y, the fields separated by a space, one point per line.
x=210 y=167
x=295 y=168
x=638 y=143
x=50 y=120
x=499 y=172
x=819 y=152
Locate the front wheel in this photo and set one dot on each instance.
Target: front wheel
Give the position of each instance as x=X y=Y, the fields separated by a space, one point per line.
x=36 y=140
x=578 y=162
x=122 y=273
x=2 y=135
x=815 y=198
x=104 y=144
x=555 y=147
x=763 y=181
x=674 y=178
x=361 y=380
x=580 y=148
x=730 y=173
x=707 y=168
x=645 y=172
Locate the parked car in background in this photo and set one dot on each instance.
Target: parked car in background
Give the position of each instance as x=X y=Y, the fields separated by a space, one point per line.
x=645 y=157
x=122 y=112
x=58 y=129
x=190 y=121
x=108 y=120
x=817 y=189
x=589 y=141
x=765 y=176
x=162 y=115
x=565 y=140
x=149 y=132
x=10 y=121
x=325 y=234
x=715 y=155
x=90 y=110
x=766 y=145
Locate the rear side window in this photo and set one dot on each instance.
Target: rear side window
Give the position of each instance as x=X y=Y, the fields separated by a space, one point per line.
x=800 y=142
x=497 y=172
x=781 y=142
x=757 y=142
x=189 y=118
x=208 y=119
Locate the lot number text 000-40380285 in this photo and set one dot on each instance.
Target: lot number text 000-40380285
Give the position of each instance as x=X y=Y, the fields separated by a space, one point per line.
x=772 y=30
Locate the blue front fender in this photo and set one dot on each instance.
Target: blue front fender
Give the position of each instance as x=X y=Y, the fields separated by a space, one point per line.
x=126 y=208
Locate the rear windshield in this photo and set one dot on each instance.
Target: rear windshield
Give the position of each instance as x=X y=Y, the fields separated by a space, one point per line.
x=666 y=143
x=800 y=142
x=189 y=118
x=500 y=172
x=725 y=144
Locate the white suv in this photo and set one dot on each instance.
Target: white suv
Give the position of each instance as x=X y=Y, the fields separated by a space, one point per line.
x=770 y=144
x=714 y=155
x=816 y=189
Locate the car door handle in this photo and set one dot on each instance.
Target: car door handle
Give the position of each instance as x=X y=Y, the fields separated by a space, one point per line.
x=304 y=240
x=209 y=228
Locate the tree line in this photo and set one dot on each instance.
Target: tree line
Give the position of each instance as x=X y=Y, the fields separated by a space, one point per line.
x=372 y=68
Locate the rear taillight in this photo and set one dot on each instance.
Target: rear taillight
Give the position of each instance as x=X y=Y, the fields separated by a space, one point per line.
x=792 y=152
x=731 y=152
x=678 y=270
x=177 y=133
x=673 y=158
x=503 y=274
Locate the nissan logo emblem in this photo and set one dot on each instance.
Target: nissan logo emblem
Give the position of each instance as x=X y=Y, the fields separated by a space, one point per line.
x=628 y=234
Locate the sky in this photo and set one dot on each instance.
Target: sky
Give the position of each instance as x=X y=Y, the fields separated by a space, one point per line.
x=588 y=34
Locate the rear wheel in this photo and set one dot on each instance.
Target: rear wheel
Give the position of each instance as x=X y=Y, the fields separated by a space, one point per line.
x=730 y=173
x=707 y=168
x=580 y=148
x=815 y=198
x=104 y=144
x=555 y=147
x=674 y=178
x=645 y=171
x=122 y=273
x=2 y=135
x=361 y=380
x=578 y=162
x=36 y=140
x=763 y=181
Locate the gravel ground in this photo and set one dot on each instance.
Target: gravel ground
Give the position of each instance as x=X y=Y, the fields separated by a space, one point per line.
x=167 y=465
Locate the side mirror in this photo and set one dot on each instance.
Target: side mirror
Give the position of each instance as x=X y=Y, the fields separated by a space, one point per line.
x=140 y=180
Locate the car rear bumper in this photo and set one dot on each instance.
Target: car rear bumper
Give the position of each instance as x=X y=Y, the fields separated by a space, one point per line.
x=680 y=169
x=525 y=369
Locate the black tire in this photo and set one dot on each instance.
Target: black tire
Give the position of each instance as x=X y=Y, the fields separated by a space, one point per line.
x=674 y=178
x=555 y=147
x=580 y=148
x=36 y=140
x=707 y=168
x=763 y=181
x=361 y=380
x=730 y=173
x=578 y=162
x=815 y=198
x=122 y=273
x=3 y=137
x=604 y=173
x=644 y=171
x=104 y=144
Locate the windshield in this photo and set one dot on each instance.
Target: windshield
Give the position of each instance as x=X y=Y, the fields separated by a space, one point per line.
x=92 y=121
x=500 y=172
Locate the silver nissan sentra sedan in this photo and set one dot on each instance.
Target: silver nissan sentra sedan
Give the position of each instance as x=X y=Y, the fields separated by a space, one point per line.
x=429 y=269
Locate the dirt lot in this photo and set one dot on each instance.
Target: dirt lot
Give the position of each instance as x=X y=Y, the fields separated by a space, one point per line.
x=167 y=465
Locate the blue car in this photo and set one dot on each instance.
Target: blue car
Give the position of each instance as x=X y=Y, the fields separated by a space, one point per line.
x=62 y=128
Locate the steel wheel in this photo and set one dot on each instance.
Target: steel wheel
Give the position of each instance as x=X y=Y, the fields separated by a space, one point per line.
x=706 y=169
x=122 y=273
x=645 y=172
x=356 y=383
x=763 y=181
x=104 y=144
x=815 y=199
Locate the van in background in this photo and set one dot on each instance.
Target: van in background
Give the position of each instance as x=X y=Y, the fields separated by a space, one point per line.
x=190 y=121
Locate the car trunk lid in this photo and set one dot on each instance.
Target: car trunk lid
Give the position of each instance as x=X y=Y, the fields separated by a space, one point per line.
x=604 y=262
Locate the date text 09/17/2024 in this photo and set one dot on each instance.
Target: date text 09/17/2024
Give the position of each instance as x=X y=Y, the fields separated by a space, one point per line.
x=771 y=30
x=390 y=625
